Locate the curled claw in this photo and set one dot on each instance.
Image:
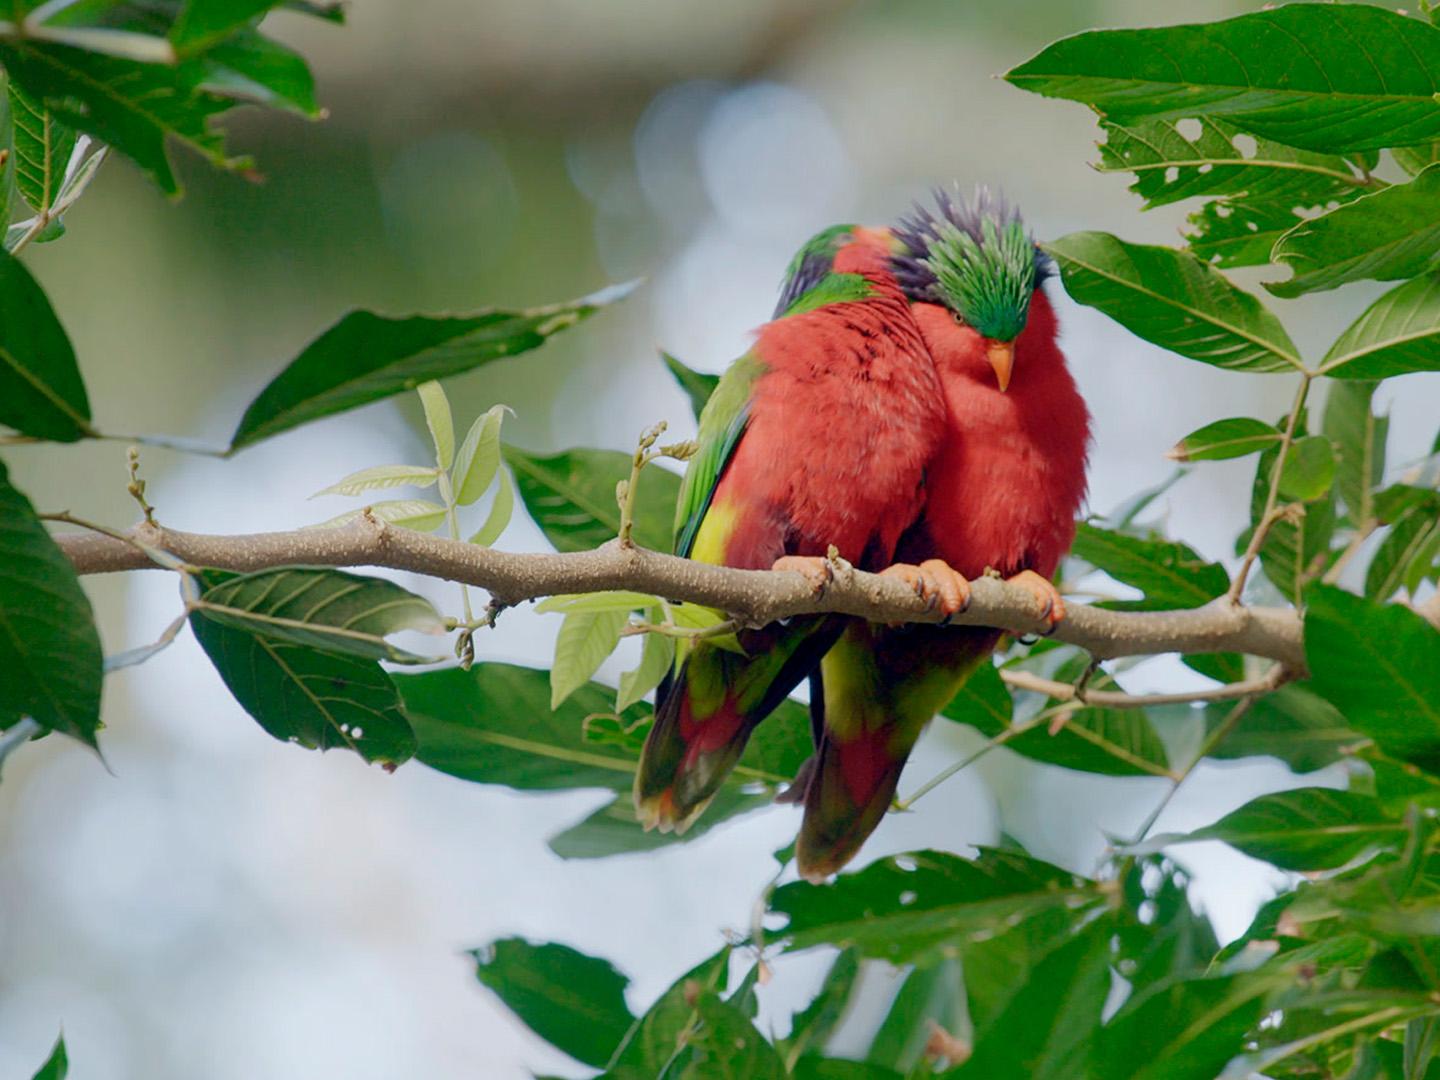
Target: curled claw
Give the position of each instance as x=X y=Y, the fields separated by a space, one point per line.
x=817 y=570
x=935 y=581
x=1052 y=605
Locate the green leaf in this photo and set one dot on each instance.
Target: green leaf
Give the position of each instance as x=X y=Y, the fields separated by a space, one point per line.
x=586 y=639
x=57 y=1065
x=49 y=650
x=654 y=1040
x=727 y=1044
x=1398 y=333
x=302 y=695
x=1293 y=551
x=250 y=67
x=1293 y=724
x=572 y=1001
x=326 y=609
x=1225 y=439
x=906 y=907
x=42 y=150
x=1359 y=437
x=613 y=830
x=366 y=357
x=1376 y=664
x=1416 y=159
x=1174 y=300
x=571 y=496
x=1407 y=553
x=933 y=994
x=501 y=509
x=437 y=419
x=382 y=476
x=204 y=22
x=1309 y=469
x=818 y=1068
x=479 y=458
x=1290 y=74
x=697 y=385
x=1169 y=573
x=132 y=106
x=1306 y=828
x=1181 y=1029
x=656 y=655
x=984 y=702
x=1388 y=236
x=1237 y=232
x=418 y=514
x=41 y=393
x=1047 y=1027
x=811 y=1028
x=611 y=600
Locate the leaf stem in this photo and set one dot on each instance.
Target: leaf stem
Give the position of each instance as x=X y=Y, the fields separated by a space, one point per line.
x=1270 y=516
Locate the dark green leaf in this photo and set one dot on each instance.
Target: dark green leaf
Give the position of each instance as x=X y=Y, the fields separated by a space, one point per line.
x=1047 y=1027
x=326 y=609
x=1293 y=724
x=41 y=393
x=1225 y=439
x=1377 y=664
x=365 y=357
x=1405 y=556
x=57 y=1065
x=571 y=496
x=727 y=1044
x=1309 y=469
x=329 y=10
x=908 y=906
x=251 y=67
x=1359 y=438
x=572 y=1001
x=300 y=694
x=1306 y=828
x=1174 y=300
x=42 y=150
x=613 y=830
x=204 y=22
x=697 y=385
x=1182 y=1029
x=818 y=1068
x=50 y=659
x=984 y=702
x=653 y=1041
x=1170 y=574
x=934 y=994
x=1416 y=159
x=129 y=105
x=1388 y=236
x=1290 y=74
x=1237 y=232
x=1398 y=333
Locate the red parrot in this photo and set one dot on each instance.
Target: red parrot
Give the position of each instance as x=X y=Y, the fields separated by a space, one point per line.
x=1001 y=495
x=818 y=436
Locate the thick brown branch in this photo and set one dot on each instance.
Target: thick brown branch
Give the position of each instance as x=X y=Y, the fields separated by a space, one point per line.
x=755 y=596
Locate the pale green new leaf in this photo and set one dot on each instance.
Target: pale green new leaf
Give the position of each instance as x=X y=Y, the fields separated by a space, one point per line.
x=586 y=638
x=479 y=457
x=437 y=419
x=382 y=476
x=418 y=514
x=1174 y=300
x=656 y=656
x=611 y=600
x=501 y=510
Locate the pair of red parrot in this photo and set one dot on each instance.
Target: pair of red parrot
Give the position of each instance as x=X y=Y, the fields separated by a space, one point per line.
x=908 y=405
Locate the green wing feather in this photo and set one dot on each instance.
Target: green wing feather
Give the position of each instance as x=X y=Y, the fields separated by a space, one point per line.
x=722 y=423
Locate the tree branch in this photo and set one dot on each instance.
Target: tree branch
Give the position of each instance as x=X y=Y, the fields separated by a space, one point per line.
x=1273 y=679
x=756 y=597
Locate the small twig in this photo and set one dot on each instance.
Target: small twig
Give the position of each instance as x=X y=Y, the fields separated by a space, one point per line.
x=22 y=731
x=626 y=490
x=689 y=633
x=136 y=487
x=1118 y=699
x=1356 y=542
x=1268 y=516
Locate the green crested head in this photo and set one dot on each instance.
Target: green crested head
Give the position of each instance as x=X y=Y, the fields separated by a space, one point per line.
x=975 y=258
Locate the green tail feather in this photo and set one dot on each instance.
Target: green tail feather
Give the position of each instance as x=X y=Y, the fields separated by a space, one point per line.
x=881 y=687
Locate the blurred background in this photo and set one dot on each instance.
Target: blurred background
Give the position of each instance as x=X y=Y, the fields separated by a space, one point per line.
x=221 y=905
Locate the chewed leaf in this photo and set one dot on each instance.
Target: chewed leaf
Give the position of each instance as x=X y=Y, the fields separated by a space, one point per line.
x=418 y=514
x=381 y=476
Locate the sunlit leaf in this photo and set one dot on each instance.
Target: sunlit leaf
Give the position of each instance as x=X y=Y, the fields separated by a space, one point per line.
x=1174 y=300
x=571 y=496
x=41 y=393
x=1398 y=333
x=418 y=514
x=1388 y=236
x=50 y=658
x=586 y=639
x=656 y=656
x=479 y=457
x=365 y=357
x=1290 y=74
x=572 y=1001
x=437 y=419
x=501 y=510
x=381 y=476
x=1225 y=439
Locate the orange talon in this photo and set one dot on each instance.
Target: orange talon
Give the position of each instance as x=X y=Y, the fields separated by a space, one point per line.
x=815 y=569
x=935 y=581
x=1052 y=606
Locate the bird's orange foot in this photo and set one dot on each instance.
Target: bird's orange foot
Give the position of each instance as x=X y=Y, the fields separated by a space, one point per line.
x=1052 y=606
x=815 y=569
x=935 y=581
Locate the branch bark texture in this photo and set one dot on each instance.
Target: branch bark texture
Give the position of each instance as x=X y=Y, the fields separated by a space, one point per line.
x=755 y=596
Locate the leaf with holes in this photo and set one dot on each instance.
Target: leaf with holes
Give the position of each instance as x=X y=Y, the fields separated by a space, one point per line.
x=571 y=496
x=49 y=649
x=1288 y=74
x=1388 y=236
x=1174 y=300
x=1397 y=334
x=41 y=393
x=366 y=357
x=325 y=609
x=1225 y=439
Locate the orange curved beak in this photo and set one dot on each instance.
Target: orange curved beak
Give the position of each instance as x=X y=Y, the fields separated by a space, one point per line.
x=1001 y=355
